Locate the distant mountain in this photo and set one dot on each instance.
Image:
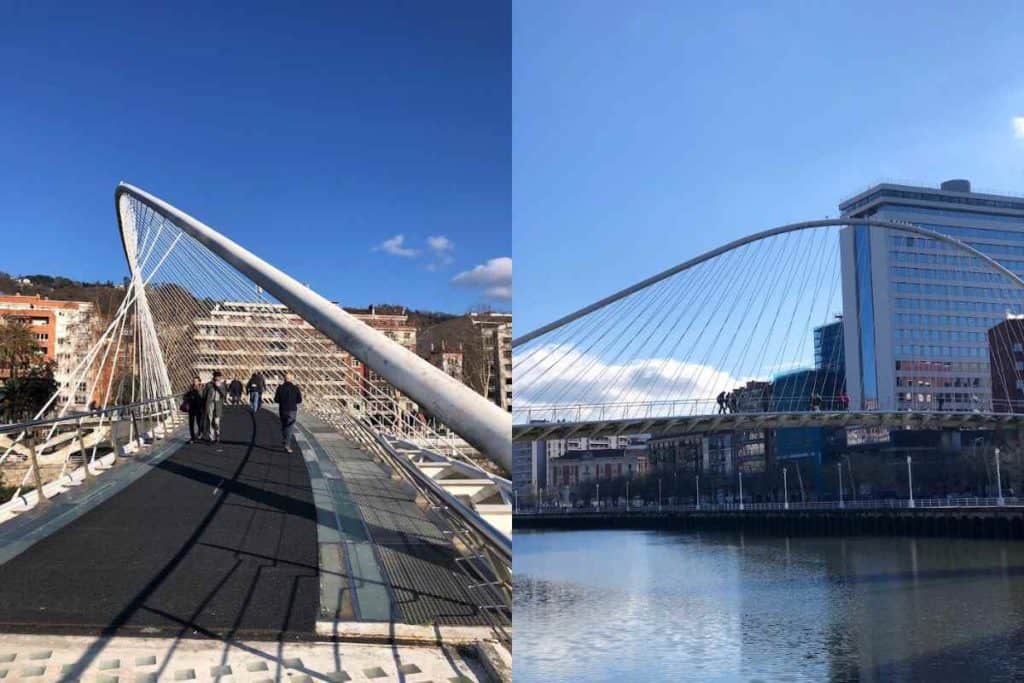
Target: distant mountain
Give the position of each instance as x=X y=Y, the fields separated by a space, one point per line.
x=420 y=319
x=107 y=296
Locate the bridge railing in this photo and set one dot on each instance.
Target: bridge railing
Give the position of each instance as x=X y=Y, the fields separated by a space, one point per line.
x=881 y=504
x=697 y=407
x=59 y=452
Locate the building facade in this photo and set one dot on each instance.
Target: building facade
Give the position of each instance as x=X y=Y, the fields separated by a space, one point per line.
x=1006 y=364
x=64 y=332
x=916 y=310
x=529 y=468
x=239 y=338
x=676 y=452
x=484 y=341
x=578 y=467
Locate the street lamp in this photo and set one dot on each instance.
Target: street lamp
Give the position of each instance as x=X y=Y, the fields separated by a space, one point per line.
x=999 y=482
x=839 y=468
x=741 y=489
x=785 y=490
x=515 y=500
x=627 y=495
x=597 y=495
x=910 y=483
x=698 y=492
x=659 y=494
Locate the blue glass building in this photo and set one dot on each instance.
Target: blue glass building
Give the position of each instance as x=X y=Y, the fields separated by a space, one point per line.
x=917 y=310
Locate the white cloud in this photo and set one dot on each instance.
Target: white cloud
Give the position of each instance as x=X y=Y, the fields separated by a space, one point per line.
x=1018 y=127
x=440 y=243
x=493 y=277
x=441 y=247
x=396 y=247
x=553 y=374
x=502 y=293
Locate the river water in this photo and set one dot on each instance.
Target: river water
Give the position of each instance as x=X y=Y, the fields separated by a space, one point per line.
x=661 y=606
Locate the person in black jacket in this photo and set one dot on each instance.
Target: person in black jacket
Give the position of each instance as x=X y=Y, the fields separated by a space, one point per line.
x=235 y=391
x=256 y=386
x=287 y=397
x=194 y=401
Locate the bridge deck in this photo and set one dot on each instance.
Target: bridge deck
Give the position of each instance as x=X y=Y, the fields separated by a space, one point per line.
x=239 y=539
x=384 y=557
x=212 y=540
x=568 y=427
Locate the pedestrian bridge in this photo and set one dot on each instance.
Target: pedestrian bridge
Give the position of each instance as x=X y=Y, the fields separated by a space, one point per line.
x=536 y=429
x=389 y=522
x=239 y=539
x=767 y=332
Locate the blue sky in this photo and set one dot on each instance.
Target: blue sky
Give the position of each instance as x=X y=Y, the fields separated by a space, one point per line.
x=645 y=133
x=314 y=137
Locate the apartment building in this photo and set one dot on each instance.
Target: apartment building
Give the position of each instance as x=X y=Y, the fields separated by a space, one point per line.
x=64 y=332
x=485 y=343
x=239 y=338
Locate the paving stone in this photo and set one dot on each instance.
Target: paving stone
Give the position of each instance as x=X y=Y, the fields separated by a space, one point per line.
x=375 y=672
x=145 y=678
x=222 y=670
x=41 y=654
x=256 y=666
x=409 y=669
x=185 y=674
x=147 y=660
x=33 y=671
x=110 y=664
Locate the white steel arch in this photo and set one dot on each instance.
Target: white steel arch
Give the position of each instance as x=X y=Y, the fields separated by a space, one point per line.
x=480 y=422
x=764 y=234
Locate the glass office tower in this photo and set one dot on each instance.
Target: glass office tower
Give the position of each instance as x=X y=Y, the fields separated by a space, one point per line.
x=916 y=311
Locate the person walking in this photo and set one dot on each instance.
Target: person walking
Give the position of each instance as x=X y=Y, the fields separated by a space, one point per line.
x=214 y=395
x=256 y=386
x=721 y=403
x=287 y=397
x=235 y=390
x=194 y=405
x=730 y=398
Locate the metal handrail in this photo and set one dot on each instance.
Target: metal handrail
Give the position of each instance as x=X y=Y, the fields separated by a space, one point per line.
x=880 y=504
x=32 y=424
x=497 y=540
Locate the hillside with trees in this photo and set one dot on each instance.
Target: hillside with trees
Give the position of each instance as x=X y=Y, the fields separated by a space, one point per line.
x=106 y=296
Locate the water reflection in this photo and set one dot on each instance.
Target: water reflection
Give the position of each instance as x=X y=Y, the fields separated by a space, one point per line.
x=636 y=605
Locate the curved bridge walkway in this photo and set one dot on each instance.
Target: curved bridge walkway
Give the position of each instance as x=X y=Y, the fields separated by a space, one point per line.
x=239 y=539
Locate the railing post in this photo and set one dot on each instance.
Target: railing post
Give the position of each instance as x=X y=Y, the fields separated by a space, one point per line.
x=34 y=461
x=140 y=440
x=910 y=484
x=115 y=445
x=85 y=457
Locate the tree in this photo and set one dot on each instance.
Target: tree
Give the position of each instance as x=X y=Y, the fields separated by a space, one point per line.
x=21 y=398
x=18 y=347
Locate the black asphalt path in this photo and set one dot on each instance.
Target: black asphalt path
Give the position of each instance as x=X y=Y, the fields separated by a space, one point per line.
x=214 y=541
